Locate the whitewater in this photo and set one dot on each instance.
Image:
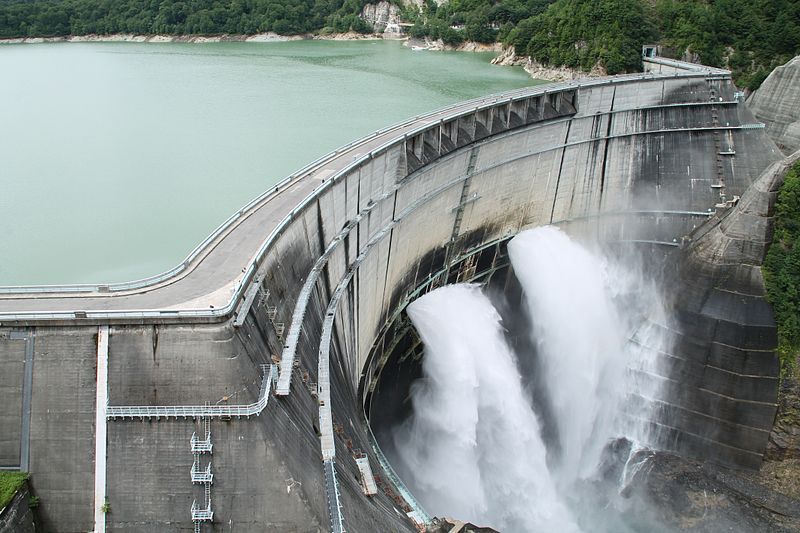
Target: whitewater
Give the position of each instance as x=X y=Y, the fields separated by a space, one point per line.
x=474 y=447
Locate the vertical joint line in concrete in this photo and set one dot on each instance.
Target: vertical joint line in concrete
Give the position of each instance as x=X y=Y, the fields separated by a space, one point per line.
x=462 y=202
x=27 y=394
x=605 y=148
x=560 y=170
x=100 y=434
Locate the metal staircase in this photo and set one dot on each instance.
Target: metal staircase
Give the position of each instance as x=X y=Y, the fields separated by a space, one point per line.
x=202 y=446
x=202 y=514
x=719 y=160
x=198 y=474
x=203 y=476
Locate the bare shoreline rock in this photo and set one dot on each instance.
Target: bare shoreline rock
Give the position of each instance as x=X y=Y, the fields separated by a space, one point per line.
x=540 y=71
x=506 y=57
x=438 y=45
x=197 y=39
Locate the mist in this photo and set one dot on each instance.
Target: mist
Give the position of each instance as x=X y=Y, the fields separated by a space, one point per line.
x=473 y=443
x=473 y=447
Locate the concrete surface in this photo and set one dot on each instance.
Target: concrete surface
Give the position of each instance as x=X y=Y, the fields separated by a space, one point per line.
x=777 y=102
x=62 y=427
x=632 y=158
x=12 y=368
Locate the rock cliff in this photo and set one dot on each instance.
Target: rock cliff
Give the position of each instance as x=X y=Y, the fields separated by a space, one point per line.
x=541 y=71
x=777 y=104
x=383 y=16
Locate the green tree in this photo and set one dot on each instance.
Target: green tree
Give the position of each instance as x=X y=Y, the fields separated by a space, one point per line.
x=782 y=270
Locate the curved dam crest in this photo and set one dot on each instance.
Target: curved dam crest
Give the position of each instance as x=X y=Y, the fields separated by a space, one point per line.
x=308 y=289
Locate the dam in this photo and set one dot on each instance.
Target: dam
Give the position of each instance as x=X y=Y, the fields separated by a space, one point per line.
x=233 y=392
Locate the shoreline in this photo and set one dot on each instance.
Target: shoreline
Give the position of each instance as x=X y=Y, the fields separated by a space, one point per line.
x=266 y=37
x=504 y=56
x=438 y=45
x=539 y=71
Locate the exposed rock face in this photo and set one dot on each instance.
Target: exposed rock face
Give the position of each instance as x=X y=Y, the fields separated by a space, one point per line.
x=437 y=45
x=777 y=104
x=419 y=4
x=784 y=440
x=691 y=496
x=384 y=17
x=540 y=71
x=137 y=38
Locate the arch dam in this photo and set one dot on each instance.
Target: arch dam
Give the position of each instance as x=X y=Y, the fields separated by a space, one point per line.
x=233 y=391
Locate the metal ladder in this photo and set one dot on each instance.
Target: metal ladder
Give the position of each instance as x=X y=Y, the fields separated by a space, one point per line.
x=718 y=151
x=203 y=446
x=203 y=476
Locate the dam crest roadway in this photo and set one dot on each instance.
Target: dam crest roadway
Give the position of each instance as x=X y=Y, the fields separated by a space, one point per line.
x=207 y=284
x=118 y=393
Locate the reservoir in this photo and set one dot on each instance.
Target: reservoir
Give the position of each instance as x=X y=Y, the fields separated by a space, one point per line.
x=119 y=158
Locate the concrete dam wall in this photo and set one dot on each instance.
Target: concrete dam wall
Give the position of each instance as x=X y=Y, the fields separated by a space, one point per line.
x=777 y=103
x=117 y=403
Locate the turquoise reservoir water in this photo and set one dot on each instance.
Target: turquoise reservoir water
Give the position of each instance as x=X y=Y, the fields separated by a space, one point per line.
x=116 y=159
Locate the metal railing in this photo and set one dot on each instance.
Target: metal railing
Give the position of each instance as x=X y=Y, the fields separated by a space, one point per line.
x=202 y=446
x=290 y=348
x=199 y=475
x=202 y=514
x=395 y=480
x=333 y=497
x=685 y=65
x=198 y=411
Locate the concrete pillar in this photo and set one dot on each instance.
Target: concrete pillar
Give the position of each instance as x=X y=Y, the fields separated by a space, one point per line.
x=100 y=431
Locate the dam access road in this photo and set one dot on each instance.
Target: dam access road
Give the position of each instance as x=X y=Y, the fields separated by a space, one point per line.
x=232 y=393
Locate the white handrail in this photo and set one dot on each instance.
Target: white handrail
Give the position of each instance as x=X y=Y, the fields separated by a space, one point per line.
x=198 y=411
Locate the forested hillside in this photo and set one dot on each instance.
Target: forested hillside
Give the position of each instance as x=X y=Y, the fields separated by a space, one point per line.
x=750 y=37
x=782 y=270
x=176 y=17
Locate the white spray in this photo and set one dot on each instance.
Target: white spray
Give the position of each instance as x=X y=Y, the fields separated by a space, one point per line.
x=473 y=447
x=577 y=332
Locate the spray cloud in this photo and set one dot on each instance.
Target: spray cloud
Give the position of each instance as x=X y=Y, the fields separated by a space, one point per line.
x=473 y=447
